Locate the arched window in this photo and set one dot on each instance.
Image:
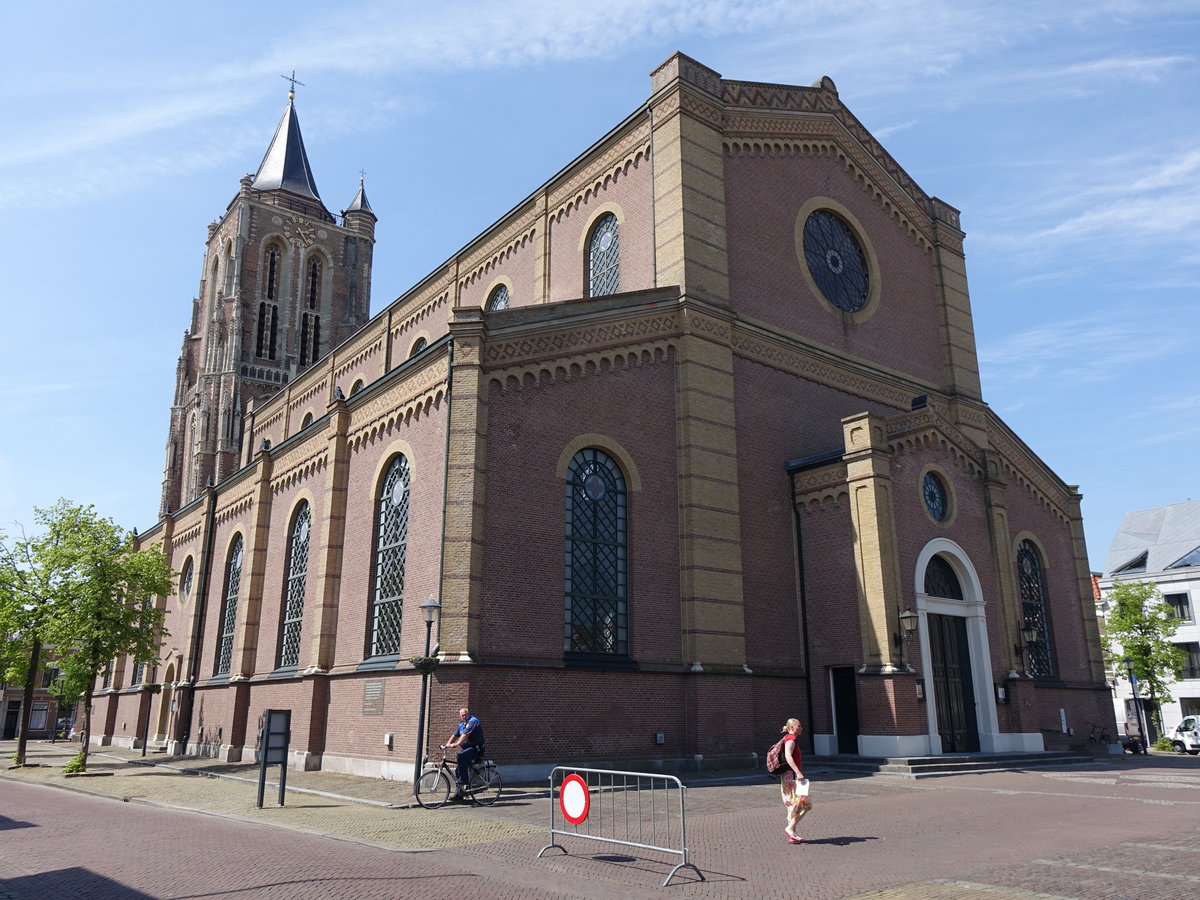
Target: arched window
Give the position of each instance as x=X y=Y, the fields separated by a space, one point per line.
x=228 y=620
x=228 y=268
x=604 y=257
x=418 y=345
x=185 y=583
x=498 y=298
x=290 y=623
x=310 y=338
x=268 y=327
x=596 y=556
x=272 y=274
x=391 y=550
x=358 y=386
x=941 y=580
x=314 y=283
x=1032 y=578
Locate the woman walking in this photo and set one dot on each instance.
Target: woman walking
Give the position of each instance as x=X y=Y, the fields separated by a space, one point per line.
x=793 y=786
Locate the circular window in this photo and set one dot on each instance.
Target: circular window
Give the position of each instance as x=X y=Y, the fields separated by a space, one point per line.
x=836 y=261
x=936 y=499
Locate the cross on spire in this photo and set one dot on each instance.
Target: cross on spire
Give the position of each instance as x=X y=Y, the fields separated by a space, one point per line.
x=292 y=78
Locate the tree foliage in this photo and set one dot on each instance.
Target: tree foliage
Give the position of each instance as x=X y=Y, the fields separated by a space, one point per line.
x=79 y=588
x=1138 y=627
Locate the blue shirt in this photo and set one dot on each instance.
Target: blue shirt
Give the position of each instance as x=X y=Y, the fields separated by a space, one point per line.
x=473 y=730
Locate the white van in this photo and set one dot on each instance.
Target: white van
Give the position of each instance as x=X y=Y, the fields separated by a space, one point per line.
x=1186 y=736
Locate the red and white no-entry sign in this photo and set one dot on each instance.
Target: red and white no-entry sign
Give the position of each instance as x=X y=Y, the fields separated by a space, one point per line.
x=574 y=799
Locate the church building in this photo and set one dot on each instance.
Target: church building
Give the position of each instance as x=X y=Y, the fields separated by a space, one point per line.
x=691 y=441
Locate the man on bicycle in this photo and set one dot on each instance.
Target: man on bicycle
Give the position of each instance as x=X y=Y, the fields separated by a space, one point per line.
x=468 y=738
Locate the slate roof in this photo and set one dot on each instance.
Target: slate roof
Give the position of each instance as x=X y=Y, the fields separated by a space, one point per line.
x=1165 y=534
x=285 y=165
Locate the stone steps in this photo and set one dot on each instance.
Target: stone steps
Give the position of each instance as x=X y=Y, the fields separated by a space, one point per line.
x=914 y=767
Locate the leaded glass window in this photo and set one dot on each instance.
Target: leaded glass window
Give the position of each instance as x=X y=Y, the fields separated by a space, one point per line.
x=418 y=345
x=1032 y=578
x=936 y=500
x=941 y=580
x=233 y=580
x=836 y=261
x=604 y=257
x=185 y=582
x=387 y=610
x=139 y=669
x=596 y=618
x=293 y=589
x=498 y=299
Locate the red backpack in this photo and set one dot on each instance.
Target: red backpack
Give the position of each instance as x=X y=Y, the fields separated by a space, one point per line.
x=776 y=761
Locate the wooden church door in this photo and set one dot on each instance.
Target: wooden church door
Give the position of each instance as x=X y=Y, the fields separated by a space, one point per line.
x=953 y=689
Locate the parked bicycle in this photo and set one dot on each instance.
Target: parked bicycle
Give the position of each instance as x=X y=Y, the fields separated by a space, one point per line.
x=1099 y=735
x=437 y=780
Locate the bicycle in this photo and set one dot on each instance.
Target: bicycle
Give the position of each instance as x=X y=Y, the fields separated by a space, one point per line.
x=1099 y=735
x=436 y=780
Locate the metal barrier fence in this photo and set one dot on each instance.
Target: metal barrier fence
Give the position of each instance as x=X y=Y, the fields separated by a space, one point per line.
x=634 y=809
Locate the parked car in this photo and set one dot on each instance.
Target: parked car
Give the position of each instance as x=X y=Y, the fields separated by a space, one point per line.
x=1186 y=736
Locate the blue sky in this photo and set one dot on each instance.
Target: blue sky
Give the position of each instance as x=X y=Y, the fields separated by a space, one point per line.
x=1068 y=134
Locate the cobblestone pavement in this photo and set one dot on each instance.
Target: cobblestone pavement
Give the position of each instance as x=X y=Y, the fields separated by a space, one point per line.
x=1126 y=827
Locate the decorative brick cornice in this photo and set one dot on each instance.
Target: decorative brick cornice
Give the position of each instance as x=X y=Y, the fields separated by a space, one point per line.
x=923 y=428
x=298 y=401
x=417 y=312
x=756 y=136
x=415 y=396
x=235 y=507
x=1019 y=465
x=794 y=359
x=814 y=489
x=297 y=466
x=571 y=338
x=822 y=99
x=518 y=235
x=359 y=349
x=623 y=155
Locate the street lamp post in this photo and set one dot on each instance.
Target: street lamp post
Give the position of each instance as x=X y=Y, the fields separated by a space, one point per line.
x=1137 y=705
x=429 y=609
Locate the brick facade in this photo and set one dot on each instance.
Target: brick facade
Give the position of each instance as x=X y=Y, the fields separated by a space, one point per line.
x=774 y=449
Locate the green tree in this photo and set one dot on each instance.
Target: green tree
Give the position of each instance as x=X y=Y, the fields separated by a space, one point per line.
x=80 y=588
x=1138 y=627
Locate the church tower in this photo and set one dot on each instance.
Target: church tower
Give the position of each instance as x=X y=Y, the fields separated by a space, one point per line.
x=284 y=280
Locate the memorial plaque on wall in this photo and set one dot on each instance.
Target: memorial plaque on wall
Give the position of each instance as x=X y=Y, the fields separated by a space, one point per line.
x=372 y=698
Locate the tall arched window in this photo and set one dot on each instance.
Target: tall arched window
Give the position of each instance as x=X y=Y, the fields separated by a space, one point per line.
x=604 y=257
x=596 y=618
x=1032 y=578
x=498 y=298
x=391 y=551
x=314 y=283
x=228 y=620
x=293 y=589
x=271 y=279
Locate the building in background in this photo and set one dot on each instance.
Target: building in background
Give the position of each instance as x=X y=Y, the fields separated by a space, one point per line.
x=1161 y=545
x=690 y=441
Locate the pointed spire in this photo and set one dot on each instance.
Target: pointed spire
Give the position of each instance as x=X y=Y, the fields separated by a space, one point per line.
x=285 y=165
x=359 y=203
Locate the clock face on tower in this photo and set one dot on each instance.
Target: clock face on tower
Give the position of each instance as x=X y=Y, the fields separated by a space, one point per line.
x=300 y=233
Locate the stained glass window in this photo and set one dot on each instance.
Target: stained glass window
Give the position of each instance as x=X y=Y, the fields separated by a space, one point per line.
x=596 y=619
x=293 y=589
x=498 y=299
x=228 y=620
x=391 y=550
x=836 y=261
x=604 y=257
x=936 y=500
x=1032 y=579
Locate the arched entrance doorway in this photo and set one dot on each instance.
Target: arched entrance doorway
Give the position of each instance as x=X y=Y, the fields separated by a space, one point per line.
x=960 y=710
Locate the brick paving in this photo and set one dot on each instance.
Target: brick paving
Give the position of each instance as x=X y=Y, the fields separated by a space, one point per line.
x=1128 y=827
